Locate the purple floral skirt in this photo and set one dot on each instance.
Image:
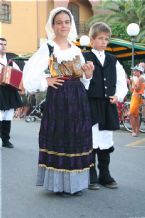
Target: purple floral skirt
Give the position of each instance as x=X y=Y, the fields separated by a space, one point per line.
x=65 y=137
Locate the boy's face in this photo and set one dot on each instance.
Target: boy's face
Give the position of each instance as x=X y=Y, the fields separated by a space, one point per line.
x=101 y=41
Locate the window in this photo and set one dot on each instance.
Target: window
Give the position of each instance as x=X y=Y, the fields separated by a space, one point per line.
x=5 y=12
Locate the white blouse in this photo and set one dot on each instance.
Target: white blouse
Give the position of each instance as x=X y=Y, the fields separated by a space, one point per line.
x=34 y=77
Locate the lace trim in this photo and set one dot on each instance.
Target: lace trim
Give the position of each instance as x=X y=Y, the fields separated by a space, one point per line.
x=64 y=55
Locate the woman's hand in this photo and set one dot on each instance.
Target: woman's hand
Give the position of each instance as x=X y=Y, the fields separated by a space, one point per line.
x=88 y=68
x=54 y=82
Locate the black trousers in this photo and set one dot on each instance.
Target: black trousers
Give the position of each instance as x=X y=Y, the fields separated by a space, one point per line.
x=103 y=157
x=5 y=128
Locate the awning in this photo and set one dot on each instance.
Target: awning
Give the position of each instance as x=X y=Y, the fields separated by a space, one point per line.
x=122 y=49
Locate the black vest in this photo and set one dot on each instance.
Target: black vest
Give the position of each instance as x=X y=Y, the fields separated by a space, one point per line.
x=103 y=83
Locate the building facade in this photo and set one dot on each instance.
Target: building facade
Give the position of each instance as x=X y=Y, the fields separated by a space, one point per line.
x=22 y=23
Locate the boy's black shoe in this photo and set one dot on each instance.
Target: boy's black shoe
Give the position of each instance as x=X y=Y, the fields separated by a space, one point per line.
x=7 y=144
x=110 y=184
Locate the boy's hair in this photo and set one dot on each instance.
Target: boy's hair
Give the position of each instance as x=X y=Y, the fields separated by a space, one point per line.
x=99 y=27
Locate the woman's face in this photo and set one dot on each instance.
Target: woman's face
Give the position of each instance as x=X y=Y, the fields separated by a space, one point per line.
x=136 y=73
x=62 y=25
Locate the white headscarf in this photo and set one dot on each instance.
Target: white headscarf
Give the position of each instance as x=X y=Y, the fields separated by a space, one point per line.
x=49 y=30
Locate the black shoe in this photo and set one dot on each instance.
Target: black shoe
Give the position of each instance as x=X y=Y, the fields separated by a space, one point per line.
x=111 y=185
x=66 y=194
x=79 y=193
x=59 y=193
x=7 y=145
x=94 y=186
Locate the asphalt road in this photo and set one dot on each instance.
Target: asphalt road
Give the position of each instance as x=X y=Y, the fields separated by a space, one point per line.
x=22 y=199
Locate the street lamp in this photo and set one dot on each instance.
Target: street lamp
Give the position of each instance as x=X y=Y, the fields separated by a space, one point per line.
x=84 y=41
x=133 y=30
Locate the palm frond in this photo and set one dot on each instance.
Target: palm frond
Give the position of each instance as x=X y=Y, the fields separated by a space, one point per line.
x=122 y=12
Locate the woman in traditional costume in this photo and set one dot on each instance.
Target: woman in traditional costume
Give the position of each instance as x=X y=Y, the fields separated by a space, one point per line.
x=65 y=137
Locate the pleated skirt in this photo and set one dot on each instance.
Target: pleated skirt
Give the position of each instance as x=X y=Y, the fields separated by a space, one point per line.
x=9 y=98
x=65 y=139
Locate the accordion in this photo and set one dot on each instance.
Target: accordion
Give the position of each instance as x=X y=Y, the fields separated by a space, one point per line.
x=11 y=77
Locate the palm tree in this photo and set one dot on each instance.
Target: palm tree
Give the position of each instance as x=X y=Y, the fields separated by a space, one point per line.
x=120 y=13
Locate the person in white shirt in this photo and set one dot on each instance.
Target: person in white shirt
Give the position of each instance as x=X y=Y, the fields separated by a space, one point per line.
x=65 y=137
x=107 y=87
x=9 y=98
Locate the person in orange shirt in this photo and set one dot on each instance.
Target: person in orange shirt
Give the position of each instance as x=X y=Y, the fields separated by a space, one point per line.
x=138 y=86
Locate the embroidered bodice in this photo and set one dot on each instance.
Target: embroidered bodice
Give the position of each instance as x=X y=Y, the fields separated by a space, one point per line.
x=66 y=68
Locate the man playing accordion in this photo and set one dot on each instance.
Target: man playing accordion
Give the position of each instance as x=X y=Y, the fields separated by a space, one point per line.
x=9 y=98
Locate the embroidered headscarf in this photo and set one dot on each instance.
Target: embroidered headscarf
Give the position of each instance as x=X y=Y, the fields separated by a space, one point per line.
x=49 y=26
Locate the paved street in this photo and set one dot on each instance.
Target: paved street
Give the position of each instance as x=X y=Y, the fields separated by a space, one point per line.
x=22 y=199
